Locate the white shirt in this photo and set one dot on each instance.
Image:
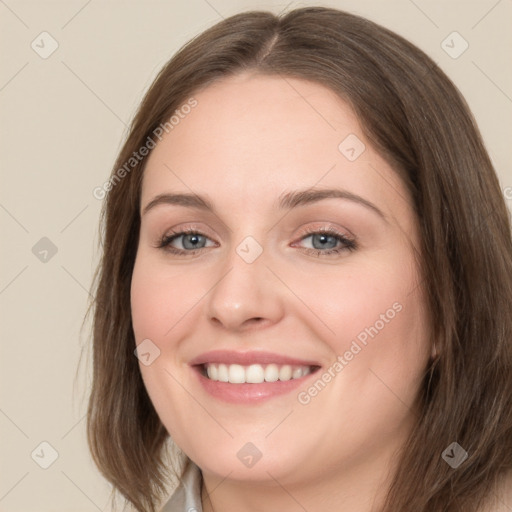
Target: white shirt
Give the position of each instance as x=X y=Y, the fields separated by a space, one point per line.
x=187 y=496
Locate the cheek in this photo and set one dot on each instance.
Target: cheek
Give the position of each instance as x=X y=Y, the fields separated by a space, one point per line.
x=379 y=352
x=162 y=302
x=364 y=300
x=373 y=319
x=160 y=299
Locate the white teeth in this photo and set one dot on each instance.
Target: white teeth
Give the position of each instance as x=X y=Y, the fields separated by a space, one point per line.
x=236 y=374
x=297 y=373
x=222 y=373
x=285 y=373
x=255 y=373
x=271 y=373
x=213 y=372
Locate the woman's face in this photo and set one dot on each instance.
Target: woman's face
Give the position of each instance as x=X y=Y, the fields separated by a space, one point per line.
x=277 y=279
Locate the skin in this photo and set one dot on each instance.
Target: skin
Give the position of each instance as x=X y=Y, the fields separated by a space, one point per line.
x=250 y=139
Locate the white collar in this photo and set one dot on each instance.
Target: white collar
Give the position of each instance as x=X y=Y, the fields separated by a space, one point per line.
x=187 y=496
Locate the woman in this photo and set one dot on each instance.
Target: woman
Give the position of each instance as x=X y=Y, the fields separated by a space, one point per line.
x=307 y=249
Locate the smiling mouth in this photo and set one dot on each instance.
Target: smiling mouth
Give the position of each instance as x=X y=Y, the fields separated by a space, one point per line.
x=254 y=373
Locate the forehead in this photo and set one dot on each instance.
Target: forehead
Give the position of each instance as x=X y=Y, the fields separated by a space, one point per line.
x=250 y=137
x=261 y=113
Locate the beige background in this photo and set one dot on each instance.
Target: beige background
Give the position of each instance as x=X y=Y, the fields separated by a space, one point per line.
x=63 y=120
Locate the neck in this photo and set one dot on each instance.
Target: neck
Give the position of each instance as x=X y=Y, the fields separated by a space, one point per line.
x=352 y=489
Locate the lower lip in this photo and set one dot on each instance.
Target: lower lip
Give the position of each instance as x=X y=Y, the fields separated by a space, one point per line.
x=249 y=393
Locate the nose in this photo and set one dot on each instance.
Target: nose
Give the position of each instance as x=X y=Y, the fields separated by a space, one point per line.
x=246 y=295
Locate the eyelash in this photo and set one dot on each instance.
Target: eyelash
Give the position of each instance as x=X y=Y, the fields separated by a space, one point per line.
x=348 y=243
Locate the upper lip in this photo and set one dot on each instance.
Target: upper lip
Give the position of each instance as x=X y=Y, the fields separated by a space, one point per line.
x=247 y=358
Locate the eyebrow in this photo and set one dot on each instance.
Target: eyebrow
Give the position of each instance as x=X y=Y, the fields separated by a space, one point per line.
x=287 y=201
x=302 y=197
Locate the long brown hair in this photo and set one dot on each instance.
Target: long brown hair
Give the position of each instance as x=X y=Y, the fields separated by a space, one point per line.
x=417 y=119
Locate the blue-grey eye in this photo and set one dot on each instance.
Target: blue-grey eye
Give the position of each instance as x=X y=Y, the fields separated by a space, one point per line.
x=323 y=241
x=193 y=241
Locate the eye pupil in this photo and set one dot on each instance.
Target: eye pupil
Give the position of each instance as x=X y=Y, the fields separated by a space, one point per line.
x=323 y=239
x=193 y=239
